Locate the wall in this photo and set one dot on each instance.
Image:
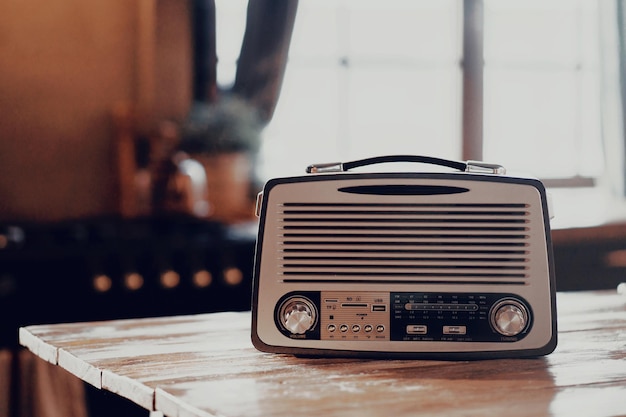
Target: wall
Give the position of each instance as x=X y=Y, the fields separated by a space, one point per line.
x=64 y=65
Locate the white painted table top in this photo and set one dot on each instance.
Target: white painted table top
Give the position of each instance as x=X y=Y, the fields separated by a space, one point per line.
x=205 y=365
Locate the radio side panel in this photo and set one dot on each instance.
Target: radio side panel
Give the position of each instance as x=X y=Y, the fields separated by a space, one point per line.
x=444 y=265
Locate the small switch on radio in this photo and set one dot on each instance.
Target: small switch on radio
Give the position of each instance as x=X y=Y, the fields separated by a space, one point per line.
x=416 y=329
x=454 y=329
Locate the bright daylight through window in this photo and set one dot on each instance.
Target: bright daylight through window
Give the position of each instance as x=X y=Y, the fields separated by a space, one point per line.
x=367 y=78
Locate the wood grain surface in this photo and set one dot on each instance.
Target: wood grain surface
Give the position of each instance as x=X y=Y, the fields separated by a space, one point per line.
x=205 y=365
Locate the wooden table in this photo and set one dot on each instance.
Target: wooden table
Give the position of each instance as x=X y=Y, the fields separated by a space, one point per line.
x=205 y=365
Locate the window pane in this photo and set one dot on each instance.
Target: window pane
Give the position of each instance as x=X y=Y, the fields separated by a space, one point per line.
x=532 y=121
x=385 y=30
x=230 y=22
x=306 y=122
x=315 y=35
x=366 y=78
x=404 y=111
x=591 y=151
x=542 y=99
x=532 y=32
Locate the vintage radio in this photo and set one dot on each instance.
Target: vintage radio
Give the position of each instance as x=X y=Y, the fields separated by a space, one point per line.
x=452 y=264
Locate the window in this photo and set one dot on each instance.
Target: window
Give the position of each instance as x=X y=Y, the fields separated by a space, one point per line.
x=380 y=78
x=542 y=108
x=367 y=78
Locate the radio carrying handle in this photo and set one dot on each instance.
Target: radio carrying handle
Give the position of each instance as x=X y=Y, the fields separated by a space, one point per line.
x=469 y=166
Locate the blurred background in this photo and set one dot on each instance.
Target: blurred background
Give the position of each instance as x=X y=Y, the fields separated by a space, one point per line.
x=135 y=135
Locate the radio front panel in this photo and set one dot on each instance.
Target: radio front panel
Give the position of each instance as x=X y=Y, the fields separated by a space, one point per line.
x=403 y=316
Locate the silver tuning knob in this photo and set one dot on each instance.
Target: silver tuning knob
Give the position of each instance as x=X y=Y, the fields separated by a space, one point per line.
x=509 y=317
x=297 y=315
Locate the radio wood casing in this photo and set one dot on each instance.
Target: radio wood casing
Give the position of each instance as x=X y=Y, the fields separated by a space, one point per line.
x=445 y=265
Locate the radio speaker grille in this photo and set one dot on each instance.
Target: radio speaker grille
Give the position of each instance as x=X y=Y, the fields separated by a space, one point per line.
x=438 y=243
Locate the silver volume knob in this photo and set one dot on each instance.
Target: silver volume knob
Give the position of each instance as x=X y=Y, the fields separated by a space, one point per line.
x=509 y=317
x=297 y=315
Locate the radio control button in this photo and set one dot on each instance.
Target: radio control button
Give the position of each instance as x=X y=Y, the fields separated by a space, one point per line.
x=454 y=329
x=356 y=328
x=368 y=328
x=380 y=328
x=343 y=328
x=509 y=317
x=298 y=315
x=416 y=329
x=331 y=328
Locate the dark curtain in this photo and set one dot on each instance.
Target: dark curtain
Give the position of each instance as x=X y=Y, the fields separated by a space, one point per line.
x=204 y=54
x=263 y=55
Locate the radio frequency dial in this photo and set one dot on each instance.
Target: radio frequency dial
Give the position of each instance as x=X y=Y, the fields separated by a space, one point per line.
x=297 y=315
x=509 y=317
